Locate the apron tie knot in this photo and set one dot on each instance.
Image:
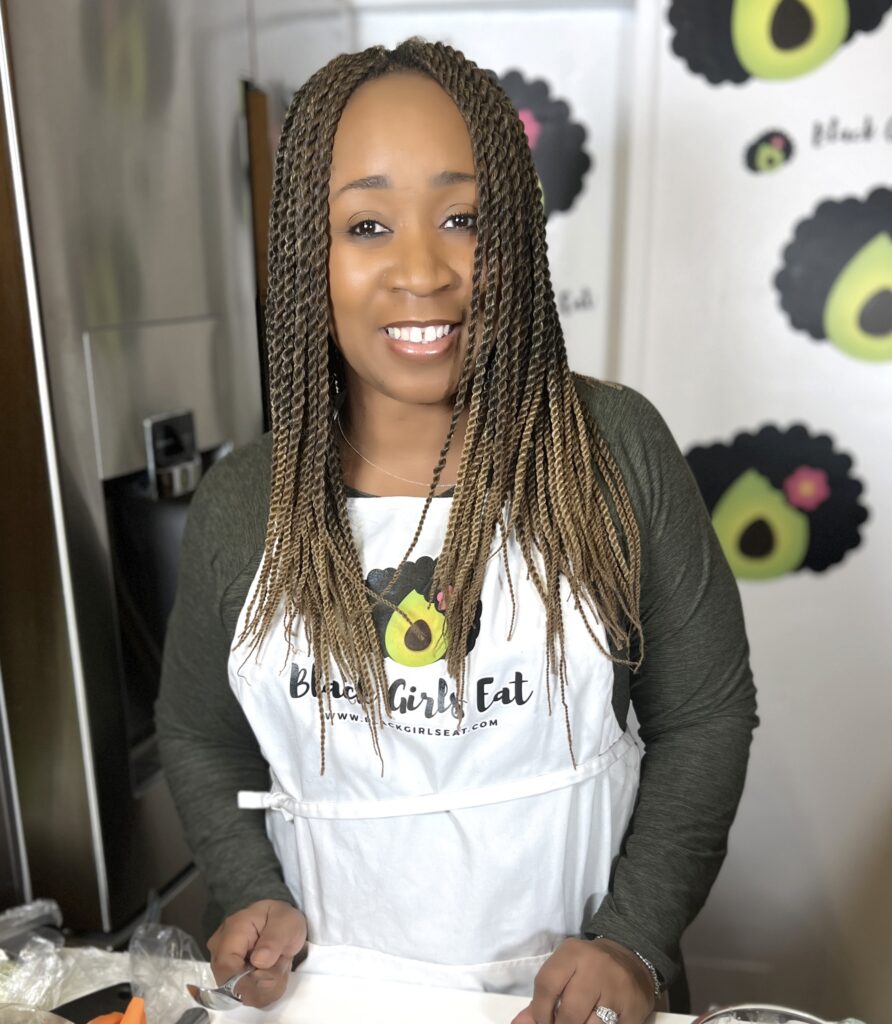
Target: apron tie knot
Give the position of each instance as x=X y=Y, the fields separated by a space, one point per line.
x=275 y=801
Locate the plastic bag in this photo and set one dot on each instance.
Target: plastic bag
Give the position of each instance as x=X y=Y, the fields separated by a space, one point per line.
x=28 y=1015
x=163 y=959
x=37 y=975
x=19 y=924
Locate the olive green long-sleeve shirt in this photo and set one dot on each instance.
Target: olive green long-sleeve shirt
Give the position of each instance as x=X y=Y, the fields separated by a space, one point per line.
x=693 y=695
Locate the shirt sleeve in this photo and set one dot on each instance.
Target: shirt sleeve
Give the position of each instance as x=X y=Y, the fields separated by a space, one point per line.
x=208 y=749
x=693 y=696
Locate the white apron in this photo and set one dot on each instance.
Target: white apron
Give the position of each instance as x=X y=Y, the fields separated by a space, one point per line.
x=480 y=847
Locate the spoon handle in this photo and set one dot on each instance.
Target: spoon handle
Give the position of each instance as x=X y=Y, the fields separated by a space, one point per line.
x=228 y=986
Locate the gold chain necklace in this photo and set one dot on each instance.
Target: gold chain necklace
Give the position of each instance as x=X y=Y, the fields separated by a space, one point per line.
x=374 y=465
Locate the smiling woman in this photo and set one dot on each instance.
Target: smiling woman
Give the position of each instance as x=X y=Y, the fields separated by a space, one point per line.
x=403 y=207
x=437 y=685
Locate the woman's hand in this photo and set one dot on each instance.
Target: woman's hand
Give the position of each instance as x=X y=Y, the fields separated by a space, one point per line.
x=582 y=974
x=267 y=935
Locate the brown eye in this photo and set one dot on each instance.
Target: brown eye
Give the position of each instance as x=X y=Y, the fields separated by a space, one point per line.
x=461 y=222
x=367 y=228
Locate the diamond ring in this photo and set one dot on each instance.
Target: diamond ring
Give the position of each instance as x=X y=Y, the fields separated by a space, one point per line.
x=606 y=1014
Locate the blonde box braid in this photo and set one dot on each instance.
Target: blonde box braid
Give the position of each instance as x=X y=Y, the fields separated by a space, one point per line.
x=532 y=463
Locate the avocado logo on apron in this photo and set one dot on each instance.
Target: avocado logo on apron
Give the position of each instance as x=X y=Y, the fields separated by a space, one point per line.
x=413 y=631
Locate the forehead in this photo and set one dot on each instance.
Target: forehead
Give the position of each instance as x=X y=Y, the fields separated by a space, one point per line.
x=399 y=116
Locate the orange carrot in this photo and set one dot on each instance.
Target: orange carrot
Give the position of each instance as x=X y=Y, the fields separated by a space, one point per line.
x=107 y=1018
x=135 y=1012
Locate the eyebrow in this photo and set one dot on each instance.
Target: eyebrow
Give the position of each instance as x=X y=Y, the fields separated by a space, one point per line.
x=382 y=181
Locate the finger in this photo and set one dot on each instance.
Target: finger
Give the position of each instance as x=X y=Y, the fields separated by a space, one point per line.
x=595 y=1019
x=230 y=946
x=550 y=983
x=524 y=1017
x=265 y=986
x=578 y=1000
x=631 y=1012
x=283 y=935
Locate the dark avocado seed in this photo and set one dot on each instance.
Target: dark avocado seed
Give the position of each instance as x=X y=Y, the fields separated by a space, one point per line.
x=757 y=540
x=418 y=636
x=876 y=314
x=792 y=25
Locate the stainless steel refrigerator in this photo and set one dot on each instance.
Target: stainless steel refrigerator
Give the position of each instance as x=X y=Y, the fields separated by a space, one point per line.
x=128 y=362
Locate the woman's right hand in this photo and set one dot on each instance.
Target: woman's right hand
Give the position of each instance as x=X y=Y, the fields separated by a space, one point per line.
x=267 y=935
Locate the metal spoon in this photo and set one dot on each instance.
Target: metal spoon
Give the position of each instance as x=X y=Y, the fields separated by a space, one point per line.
x=222 y=998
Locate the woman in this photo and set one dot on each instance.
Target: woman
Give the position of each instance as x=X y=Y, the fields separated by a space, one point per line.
x=437 y=678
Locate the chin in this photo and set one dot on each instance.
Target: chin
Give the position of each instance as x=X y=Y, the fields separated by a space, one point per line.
x=422 y=388
x=420 y=395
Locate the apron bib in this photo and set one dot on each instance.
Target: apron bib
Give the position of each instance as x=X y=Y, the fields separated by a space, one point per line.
x=479 y=847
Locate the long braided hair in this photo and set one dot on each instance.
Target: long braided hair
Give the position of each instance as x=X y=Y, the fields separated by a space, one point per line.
x=533 y=463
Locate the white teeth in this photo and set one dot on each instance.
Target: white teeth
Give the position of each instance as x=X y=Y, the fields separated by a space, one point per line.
x=419 y=335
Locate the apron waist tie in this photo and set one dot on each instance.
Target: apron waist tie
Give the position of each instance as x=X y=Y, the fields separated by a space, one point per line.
x=292 y=807
x=275 y=801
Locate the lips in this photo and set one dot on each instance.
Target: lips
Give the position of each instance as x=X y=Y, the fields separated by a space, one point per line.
x=423 y=340
x=420 y=334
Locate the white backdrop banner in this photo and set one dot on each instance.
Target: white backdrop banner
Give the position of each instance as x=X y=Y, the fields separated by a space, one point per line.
x=758 y=318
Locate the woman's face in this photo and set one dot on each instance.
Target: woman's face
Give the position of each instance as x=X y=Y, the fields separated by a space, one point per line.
x=403 y=214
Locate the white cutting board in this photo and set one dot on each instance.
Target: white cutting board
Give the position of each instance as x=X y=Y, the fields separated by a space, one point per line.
x=326 y=999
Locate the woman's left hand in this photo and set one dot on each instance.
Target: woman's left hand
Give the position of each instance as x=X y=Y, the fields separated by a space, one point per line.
x=582 y=974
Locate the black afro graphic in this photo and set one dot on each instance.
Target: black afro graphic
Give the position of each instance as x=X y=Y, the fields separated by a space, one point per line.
x=731 y=40
x=769 y=152
x=836 y=280
x=422 y=640
x=780 y=500
x=557 y=143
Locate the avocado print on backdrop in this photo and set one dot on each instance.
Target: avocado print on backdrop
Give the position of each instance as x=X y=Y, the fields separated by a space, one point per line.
x=414 y=632
x=735 y=40
x=836 y=278
x=556 y=141
x=780 y=501
x=769 y=152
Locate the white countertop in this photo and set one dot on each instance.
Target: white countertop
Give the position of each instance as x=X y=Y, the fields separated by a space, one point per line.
x=325 y=999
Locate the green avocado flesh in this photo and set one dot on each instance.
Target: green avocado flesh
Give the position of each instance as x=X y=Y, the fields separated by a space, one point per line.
x=422 y=639
x=768 y=157
x=858 y=310
x=785 y=38
x=761 y=533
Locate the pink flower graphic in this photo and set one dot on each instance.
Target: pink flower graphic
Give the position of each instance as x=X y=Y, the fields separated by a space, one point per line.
x=531 y=126
x=807 y=488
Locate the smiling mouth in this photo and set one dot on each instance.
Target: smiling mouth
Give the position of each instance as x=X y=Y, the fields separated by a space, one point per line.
x=421 y=335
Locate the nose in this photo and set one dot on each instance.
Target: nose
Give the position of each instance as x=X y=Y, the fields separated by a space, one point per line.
x=420 y=263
